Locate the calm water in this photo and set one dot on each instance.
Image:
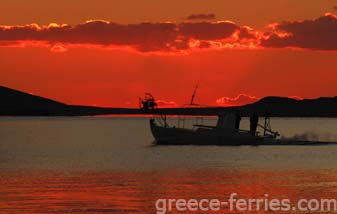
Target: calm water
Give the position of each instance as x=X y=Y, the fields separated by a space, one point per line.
x=109 y=165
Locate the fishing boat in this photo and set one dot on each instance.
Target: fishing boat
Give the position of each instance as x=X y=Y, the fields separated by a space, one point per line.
x=225 y=133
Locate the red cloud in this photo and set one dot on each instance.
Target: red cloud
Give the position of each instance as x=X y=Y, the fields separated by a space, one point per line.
x=166 y=104
x=296 y=97
x=58 y=49
x=239 y=100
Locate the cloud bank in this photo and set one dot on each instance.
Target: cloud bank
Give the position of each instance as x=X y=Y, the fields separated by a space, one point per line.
x=316 y=34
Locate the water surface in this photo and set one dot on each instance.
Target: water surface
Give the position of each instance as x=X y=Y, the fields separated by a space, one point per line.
x=95 y=165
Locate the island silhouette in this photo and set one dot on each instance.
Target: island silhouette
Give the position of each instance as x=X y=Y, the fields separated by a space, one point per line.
x=18 y=103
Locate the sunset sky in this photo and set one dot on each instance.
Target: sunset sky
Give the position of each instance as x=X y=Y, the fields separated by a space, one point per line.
x=110 y=52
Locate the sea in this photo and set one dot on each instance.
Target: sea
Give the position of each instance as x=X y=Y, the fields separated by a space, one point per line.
x=111 y=165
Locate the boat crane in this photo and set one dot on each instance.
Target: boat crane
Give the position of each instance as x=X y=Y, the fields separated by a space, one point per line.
x=148 y=102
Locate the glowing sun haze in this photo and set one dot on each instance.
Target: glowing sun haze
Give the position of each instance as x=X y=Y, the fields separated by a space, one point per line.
x=112 y=52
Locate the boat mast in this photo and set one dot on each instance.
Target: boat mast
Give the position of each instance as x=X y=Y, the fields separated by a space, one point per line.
x=193 y=95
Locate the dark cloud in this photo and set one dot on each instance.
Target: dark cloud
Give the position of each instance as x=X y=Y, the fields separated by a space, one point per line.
x=335 y=7
x=317 y=34
x=204 y=44
x=145 y=37
x=246 y=33
x=201 y=16
x=208 y=31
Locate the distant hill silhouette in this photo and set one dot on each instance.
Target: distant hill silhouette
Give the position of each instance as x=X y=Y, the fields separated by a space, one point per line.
x=287 y=107
x=17 y=99
x=17 y=103
x=14 y=102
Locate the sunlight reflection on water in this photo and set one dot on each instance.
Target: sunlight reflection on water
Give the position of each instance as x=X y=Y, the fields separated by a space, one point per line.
x=95 y=165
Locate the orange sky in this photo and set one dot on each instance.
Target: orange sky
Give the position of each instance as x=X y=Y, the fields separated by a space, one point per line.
x=96 y=67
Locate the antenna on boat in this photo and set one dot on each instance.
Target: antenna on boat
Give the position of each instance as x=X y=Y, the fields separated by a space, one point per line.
x=193 y=95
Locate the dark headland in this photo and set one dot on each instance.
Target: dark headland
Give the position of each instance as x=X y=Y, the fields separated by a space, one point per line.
x=17 y=103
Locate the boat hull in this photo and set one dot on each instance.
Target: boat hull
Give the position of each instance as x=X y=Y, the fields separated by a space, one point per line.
x=180 y=136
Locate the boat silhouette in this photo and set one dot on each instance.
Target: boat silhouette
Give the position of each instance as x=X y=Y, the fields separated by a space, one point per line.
x=224 y=133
